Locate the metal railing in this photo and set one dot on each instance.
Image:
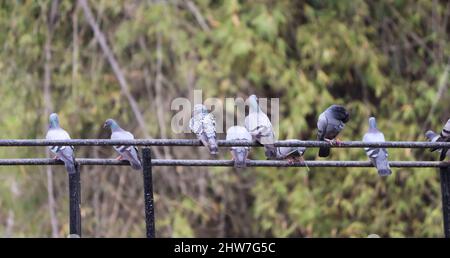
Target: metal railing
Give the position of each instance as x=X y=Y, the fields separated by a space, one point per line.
x=148 y=163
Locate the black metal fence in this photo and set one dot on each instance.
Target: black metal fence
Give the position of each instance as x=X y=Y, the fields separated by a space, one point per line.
x=148 y=163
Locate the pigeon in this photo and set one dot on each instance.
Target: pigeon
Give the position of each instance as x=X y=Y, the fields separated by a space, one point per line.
x=434 y=137
x=329 y=125
x=378 y=156
x=443 y=137
x=64 y=153
x=260 y=127
x=129 y=153
x=239 y=153
x=203 y=124
x=291 y=154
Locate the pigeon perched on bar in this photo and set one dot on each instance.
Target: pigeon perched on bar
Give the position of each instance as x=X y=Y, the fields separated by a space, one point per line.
x=378 y=156
x=291 y=154
x=443 y=137
x=129 y=153
x=203 y=124
x=63 y=153
x=329 y=125
x=434 y=137
x=239 y=153
x=260 y=127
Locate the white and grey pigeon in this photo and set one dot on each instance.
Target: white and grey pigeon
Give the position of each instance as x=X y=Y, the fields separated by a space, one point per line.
x=203 y=124
x=329 y=125
x=239 y=153
x=434 y=137
x=63 y=153
x=260 y=127
x=443 y=137
x=291 y=154
x=129 y=153
x=378 y=156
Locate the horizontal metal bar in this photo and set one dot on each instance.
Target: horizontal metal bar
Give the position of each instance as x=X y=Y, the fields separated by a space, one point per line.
x=224 y=143
x=225 y=163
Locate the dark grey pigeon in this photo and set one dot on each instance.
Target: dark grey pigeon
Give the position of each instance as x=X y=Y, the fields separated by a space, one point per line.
x=129 y=153
x=329 y=125
x=291 y=154
x=64 y=153
x=378 y=156
x=434 y=137
x=239 y=153
x=203 y=124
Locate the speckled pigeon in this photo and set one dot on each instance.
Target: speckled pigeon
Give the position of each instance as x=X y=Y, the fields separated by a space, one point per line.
x=378 y=156
x=291 y=154
x=64 y=153
x=260 y=127
x=329 y=125
x=129 y=153
x=239 y=153
x=443 y=137
x=434 y=137
x=203 y=124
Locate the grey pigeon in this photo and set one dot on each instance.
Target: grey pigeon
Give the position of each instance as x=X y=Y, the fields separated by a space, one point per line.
x=239 y=153
x=291 y=154
x=378 y=156
x=64 y=153
x=260 y=127
x=434 y=137
x=129 y=153
x=329 y=125
x=203 y=124
x=443 y=137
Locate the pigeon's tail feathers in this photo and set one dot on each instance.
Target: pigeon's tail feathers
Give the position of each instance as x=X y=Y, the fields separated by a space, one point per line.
x=324 y=152
x=382 y=164
x=270 y=151
x=70 y=166
x=443 y=154
x=212 y=145
x=240 y=157
x=133 y=157
x=66 y=155
x=135 y=164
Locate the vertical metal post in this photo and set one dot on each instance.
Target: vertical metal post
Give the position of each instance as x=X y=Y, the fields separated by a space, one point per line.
x=74 y=202
x=148 y=192
x=445 y=190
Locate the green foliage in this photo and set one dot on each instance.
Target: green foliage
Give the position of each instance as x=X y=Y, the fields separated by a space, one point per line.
x=383 y=58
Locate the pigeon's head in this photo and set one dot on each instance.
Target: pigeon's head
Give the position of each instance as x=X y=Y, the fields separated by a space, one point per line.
x=253 y=102
x=372 y=122
x=53 y=120
x=340 y=113
x=431 y=136
x=200 y=108
x=110 y=124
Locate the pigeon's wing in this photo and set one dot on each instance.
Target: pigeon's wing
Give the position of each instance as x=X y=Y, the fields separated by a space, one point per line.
x=57 y=134
x=239 y=153
x=378 y=156
x=122 y=135
x=322 y=124
x=208 y=135
x=445 y=134
x=64 y=153
x=285 y=152
x=373 y=136
x=129 y=153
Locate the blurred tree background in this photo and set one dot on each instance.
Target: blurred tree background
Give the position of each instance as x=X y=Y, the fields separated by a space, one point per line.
x=387 y=58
